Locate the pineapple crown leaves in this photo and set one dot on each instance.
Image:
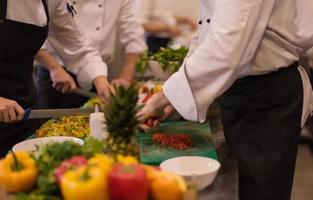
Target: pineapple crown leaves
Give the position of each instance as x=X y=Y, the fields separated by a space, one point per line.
x=121 y=112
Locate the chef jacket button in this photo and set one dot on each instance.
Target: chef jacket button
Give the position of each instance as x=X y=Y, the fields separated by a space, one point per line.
x=74 y=2
x=200 y=22
x=97 y=28
x=100 y=5
x=208 y=20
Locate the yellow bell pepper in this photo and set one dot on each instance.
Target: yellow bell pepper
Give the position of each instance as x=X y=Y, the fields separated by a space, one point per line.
x=85 y=183
x=103 y=161
x=127 y=160
x=18 y=172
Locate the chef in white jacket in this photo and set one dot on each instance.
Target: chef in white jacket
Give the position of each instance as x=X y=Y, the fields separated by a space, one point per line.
x=246 y=52
x=112 y=27
x=24 y=26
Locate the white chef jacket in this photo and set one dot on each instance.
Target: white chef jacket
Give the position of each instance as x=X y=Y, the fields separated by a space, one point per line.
x=107 y=23
x=237 y=39
x=159 y=11
x=79 y=55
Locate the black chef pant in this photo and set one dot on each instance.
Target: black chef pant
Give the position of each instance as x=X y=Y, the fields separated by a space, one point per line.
x=261 y=116
x=50 y=98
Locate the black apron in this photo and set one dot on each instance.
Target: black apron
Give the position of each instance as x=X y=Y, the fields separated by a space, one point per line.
x=19 y=43
x=261 y=118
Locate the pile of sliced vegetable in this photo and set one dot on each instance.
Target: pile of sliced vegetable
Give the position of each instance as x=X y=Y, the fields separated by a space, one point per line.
x=75 y=126
x=73 y=172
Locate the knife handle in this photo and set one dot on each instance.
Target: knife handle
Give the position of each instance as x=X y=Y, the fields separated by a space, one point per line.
x=27 y=113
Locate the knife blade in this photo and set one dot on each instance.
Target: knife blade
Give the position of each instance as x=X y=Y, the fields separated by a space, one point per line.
x=53 y=113
x=85 y=93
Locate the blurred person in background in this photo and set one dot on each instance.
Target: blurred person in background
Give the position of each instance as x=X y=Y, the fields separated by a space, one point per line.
x=161 y=22
x=114 y=32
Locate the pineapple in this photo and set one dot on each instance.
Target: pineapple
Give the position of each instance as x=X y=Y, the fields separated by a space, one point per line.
x=122 y=122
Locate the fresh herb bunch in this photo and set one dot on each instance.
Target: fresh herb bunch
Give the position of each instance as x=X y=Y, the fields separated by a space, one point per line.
x=169 y=59
x=142 y=63
x=50 y=157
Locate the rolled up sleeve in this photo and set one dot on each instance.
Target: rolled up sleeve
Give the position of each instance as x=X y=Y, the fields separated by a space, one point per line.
x=237 y=30
x=132 y=33
x=75 y=49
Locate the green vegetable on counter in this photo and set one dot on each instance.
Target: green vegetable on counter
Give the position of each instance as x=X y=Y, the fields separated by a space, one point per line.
x=169 y=59
x=48 y=158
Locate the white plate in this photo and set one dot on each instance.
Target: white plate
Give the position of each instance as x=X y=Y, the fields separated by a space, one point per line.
x=30 y=145
x=202 y=170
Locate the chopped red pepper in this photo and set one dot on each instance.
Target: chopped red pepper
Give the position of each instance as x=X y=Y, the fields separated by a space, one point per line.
x=179 y=141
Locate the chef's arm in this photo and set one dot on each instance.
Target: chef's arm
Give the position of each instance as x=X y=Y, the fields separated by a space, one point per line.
x=76 y=51
x=132 y=39
x=160 y=27
x=75 y=48
x=61 y=79
x=186 y=20
x=237 y=28
x=128 y=71
x=47 y=60
x=127 y=75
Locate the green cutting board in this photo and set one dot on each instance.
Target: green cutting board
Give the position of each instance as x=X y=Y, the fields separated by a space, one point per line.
x=154 y=154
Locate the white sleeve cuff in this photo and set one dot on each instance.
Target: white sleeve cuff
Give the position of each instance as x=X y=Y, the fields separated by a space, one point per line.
x=178 y=92
x=89 y=72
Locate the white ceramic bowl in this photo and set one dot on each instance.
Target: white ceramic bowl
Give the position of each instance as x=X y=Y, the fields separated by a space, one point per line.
x=202 y=170
x=30 y=145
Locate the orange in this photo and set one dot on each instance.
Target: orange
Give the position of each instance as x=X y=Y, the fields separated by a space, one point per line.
x=166 y=186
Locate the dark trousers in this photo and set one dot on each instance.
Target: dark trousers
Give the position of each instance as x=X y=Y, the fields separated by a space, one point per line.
x=49 y=98
x=261 y=117
x=155 y=43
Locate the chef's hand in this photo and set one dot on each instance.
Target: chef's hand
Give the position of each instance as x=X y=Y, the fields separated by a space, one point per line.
x=62 y=80
x=156 y=109
x=121 y=82
x=10 y=111
x=103 y=87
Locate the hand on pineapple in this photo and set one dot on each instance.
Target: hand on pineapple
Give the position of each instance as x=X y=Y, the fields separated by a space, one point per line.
x=120 y=82
x=157 y=109
x=103 y=87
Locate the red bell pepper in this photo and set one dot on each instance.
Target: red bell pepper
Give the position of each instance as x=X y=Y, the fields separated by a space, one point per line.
x=66 y=165
x=128 y=182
